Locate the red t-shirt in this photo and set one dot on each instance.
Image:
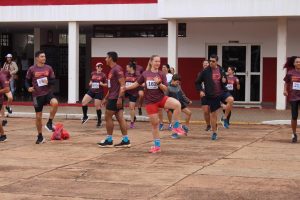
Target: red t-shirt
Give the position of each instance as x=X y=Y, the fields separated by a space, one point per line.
x=37 y=75
x=292 y=78
x=4 y=82
x=113 y=84
x=96 y=78
x=129 y=80
x=216 y=76
x=152 y=92
x=232 y=82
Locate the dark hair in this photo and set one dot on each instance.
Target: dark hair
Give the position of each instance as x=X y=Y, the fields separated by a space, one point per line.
x=132 y=65
x=214 y=56
x=176 y=77
x=38 y=53
x=168 y=67
x=132 y=60
x=290 y=63
x=113 y=55
x=232 y=68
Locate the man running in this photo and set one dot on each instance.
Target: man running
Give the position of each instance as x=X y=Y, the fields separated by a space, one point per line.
x=4 y=88
x=39 y=79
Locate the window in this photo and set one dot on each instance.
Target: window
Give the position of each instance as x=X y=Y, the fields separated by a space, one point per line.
x=30 y=39
x=136 y=30
x=63 y=38
x=4 y=40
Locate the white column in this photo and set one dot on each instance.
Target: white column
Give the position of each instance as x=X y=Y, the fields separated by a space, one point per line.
x=37 y=39
x=281 y=59
x=172 y=44
x=73 y=62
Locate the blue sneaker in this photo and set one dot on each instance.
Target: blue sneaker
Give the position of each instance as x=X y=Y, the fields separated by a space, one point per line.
x=185 y=128
x=224 y=122
x=175 y=136
x=214 y=136
x=161 y=127
x=170 y=127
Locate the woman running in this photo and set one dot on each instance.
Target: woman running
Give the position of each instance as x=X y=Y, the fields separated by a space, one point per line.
x=156 y=86
x=292 y=90
x=97 y=82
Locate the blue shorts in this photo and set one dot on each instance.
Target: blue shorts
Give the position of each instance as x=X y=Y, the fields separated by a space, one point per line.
x=214 y=103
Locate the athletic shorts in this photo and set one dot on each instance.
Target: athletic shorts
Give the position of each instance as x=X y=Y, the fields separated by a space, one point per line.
x=154 y=107
x=112 y=105
x=204 y=101
x=141 y=88
x=131 y=97
x=94 y=95
x=182 y=107
x=41 y=101
x=214 y=103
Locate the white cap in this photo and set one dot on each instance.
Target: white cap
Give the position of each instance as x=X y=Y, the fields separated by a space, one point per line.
x=8 y=56
x=99 y=63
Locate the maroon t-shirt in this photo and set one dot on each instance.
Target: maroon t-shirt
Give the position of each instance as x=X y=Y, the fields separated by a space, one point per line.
x=4 y=82
x=38 y=75
x=130 y=79
x=217 y=79
x=232 y=83
x=139 y=69
x=292 y=78
x=96 y=78
x=113 y=84
x=152 y=92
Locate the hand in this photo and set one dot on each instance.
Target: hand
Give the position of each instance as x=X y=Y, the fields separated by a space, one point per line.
x=103 y=103
x=157 y=80
x=202 y=94
x=90 y=83
x=119 y=103
x=101 y=83
x=123 y=89
x=285 y=93
x=45 y=81
x=31 y=89
x=224 y=80
x=190 y=102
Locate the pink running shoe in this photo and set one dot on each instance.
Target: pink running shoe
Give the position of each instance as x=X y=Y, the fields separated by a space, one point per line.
x=179 y=131
x=154 y=149
x=132 y=125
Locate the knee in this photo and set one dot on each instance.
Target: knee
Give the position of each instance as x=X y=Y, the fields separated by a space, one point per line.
x=54 y=102
x=230 y=100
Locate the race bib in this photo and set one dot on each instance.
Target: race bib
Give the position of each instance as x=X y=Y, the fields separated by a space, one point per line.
x=151 y=85
x=127 y=84
x=229 y=87
x=296 y=85
x=95 y=85
x=108 y=83
x=42 y=81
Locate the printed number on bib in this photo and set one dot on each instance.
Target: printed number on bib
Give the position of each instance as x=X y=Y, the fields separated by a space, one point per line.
x=108 y=83
x=151 y=85
x=42 y=81
x=296 y=85
x=127 y=84
x=229 y=86
x=95 y=85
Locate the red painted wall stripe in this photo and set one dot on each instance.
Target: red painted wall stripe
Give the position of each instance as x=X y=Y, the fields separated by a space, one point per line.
x=70 y=2
x=269 y=80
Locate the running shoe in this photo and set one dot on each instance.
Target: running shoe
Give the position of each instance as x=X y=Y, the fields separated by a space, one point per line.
x=140 y=111
x=170 y=127
x=134 y=119
x=123 y=144
x=105 y=144
x=179 y=131
x=84 y=119
x=185 y=128
x=49 y=127
x=208 y=128
x=214 y=136
x=224 y=122
x=132 y=125
x=154 y=149
x=175 y=136
x=99 y=124
x=4 y=122
x=3 y=138
x=40 y=139
x=9 y=110
x=295 y=138
x=161 y=127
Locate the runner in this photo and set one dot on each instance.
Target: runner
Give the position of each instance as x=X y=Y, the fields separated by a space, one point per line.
x=39 y=79
x=172 y=70
x=4 y=88
x=114 y=102
x=97 y=82
x=214 y=79
x=167 y=71
x=233 y=86
x=9 y=99
x=156 y=85
x=292 y=90
x=175 y=91
x=131 y=76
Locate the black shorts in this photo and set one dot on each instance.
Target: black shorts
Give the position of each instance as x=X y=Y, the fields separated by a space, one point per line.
x=41 y=101
x=112 y=105
x=204 y=101
x=294 y=109
x=182 y=107
x=141 y=88
x=94 y=95
x=214 y=103
x=131 y=97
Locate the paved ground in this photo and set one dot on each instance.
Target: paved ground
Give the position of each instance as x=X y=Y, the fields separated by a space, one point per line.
x=247 y=162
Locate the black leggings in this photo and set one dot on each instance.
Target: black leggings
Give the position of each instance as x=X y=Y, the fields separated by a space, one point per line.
x=294 y=109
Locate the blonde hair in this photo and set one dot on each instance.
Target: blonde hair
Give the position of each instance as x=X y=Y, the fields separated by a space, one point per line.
x=149 y=66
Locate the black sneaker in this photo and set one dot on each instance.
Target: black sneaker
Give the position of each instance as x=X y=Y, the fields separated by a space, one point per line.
x=105 y=144
x=99 y=124
x=295 y=138
x=3 y=138
x=134 y=119
x=40 y=139
x=123 y=144
x=4 y=122
x=140 y=111
x=208 y=128
x=9 y=110
x=84 y=120
x=49 y=127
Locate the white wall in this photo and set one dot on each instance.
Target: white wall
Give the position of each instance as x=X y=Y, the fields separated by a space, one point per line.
x=227 y=8
x=293 y=47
